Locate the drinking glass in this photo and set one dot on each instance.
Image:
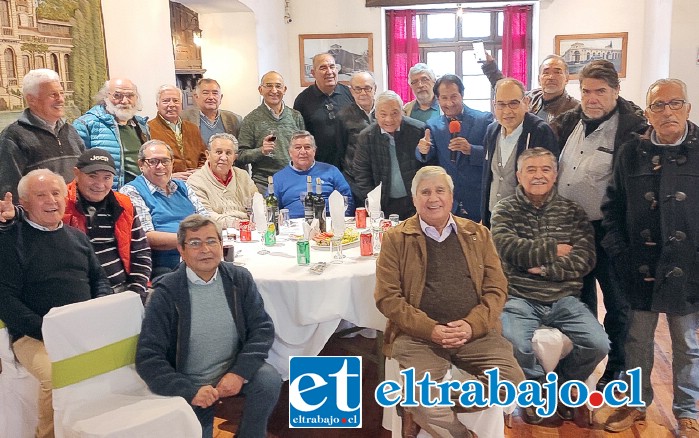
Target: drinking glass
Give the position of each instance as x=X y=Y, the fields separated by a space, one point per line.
x=273 y=139
x=375 y=219
x=336 y=249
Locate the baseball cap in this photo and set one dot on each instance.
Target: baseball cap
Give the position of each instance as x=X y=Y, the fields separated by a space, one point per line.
x=96 y=159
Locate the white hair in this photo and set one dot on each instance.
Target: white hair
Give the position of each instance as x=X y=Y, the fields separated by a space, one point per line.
x=23 y=185
x=166 y=87
x=33 y=80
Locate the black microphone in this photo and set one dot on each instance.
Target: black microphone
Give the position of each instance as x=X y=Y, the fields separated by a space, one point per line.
x=454 y=128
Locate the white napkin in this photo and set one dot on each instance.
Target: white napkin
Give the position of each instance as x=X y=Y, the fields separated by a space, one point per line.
x=337 y=213
x=312 y=230
x=259 y=212
x=374 y=200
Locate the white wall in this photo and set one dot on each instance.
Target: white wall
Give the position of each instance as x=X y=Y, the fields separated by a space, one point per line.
x=684 y=49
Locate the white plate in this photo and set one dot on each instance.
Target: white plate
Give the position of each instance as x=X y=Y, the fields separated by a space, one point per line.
x=327 y=248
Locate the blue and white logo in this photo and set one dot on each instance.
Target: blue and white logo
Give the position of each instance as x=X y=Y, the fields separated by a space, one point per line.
x=325 y=392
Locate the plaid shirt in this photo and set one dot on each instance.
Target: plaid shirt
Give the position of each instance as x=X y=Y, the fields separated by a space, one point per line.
x=142 y=209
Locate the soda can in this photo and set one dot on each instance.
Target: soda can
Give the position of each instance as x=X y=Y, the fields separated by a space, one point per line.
x=360 y=217
x=270 y=235
x=303 y=252
x=394 y=219
x=245 y=233
x=386 y=224
x=366 y=246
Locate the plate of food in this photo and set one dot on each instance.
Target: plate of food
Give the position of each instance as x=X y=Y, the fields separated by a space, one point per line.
x=350 y=239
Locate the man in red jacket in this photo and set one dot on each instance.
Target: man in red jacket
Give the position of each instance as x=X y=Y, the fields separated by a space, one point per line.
x=109 y=220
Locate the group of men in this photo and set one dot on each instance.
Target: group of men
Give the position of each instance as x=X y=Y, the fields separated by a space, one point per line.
x=574 y=193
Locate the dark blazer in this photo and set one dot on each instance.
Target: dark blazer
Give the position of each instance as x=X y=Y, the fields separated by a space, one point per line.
x=535 y=133
x=372 y=161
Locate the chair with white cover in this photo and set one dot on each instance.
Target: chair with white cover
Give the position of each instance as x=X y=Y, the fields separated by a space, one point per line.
x=19 y=393
x=96 y=390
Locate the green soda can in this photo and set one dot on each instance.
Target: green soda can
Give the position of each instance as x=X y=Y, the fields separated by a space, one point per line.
x=303 y=252
x=270 y=235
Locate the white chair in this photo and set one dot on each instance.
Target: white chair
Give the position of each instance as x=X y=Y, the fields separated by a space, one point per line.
x=19 y=393
x=97 y=392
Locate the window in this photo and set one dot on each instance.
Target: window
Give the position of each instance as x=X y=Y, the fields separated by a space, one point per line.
x=446 y=44
x=4 y=13
x=10 y=64
x=26 y=63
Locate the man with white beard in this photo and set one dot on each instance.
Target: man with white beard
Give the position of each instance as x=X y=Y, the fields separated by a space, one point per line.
x=112 y=125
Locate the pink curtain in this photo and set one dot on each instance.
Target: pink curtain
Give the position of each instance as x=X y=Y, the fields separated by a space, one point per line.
x=515 y=41
x=403 y=51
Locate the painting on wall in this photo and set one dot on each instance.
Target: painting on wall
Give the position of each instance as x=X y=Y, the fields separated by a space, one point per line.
x=66 y=36
x=578 y=50
x=352 y=52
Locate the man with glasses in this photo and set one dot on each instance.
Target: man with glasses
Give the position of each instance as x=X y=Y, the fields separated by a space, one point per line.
x=319 y=105
x=40 y=138
x=551 y=99
x=589 y=137
x=207 y=115
x=112 y=125
x=516 y=131
x=459 y=152
x=266 y=131
x=353 y=119
x=653 y=243
x=206 y=334
x=161 y=203
x=425 y=106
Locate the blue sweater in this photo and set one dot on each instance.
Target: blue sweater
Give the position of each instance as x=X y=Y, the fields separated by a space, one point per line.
x=289 y=183
x=467 y=172
x=163 y=346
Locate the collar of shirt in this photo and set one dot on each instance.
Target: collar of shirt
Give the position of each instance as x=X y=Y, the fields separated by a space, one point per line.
x=383 y=131
x=41 y=227
x=432 y=232
x=368 y=113
x=515 y=134
x=291 y=163
x=195 y=279
x=55 y=128
x=655 y=141
x=174 y=126
x=271 y=111
x=226 y=181
x=171 y=185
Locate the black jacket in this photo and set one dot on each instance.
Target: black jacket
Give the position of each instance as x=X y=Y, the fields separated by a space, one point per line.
x=651 y=216
x=351 y=121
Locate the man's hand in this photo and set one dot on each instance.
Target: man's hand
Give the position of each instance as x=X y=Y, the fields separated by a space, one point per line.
x=183 y=175
x=268 y=145
x=229 y=385
x=536 y=270
x=460 y=144
x=425 y=143
x=563 y=249
x=7 y=209
x=206 y=396
x=452 y=335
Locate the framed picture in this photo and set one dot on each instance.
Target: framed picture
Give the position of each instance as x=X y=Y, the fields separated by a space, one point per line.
x=352 y=52
x=578 y=50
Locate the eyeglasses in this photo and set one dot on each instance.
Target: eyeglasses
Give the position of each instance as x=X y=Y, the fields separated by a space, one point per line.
x=360 y=90
x=153 y=162
x=330 y=107
x=197 y=244
x=117 y=95
x=513 y=104
x=659 y=107
x=420 y=81
x=273 y=86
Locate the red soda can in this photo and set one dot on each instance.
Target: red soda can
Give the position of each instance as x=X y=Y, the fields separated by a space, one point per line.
x=366 y=246
x=245 y=233
x=360 y=217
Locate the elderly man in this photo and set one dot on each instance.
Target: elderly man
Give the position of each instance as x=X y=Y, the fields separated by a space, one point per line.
x=552 y=99
x=223 y=189
x=440 y=284
x=354 y=118
x=460 y=153
x=207 y=115
x=546 y=245
x=39 y=138
x=206 y=334
x=425 y=106
x=589 y=137
x=161 y=203
x=386 y=155
x=653 y=243
x=266 y=131
x=113 y=125
x=43 y=265
x=290 y=182
x=515 y=130
x=319 y=105
x=182 y=136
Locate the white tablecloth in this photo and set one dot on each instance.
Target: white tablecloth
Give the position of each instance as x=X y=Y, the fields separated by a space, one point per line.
x=306 y=308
